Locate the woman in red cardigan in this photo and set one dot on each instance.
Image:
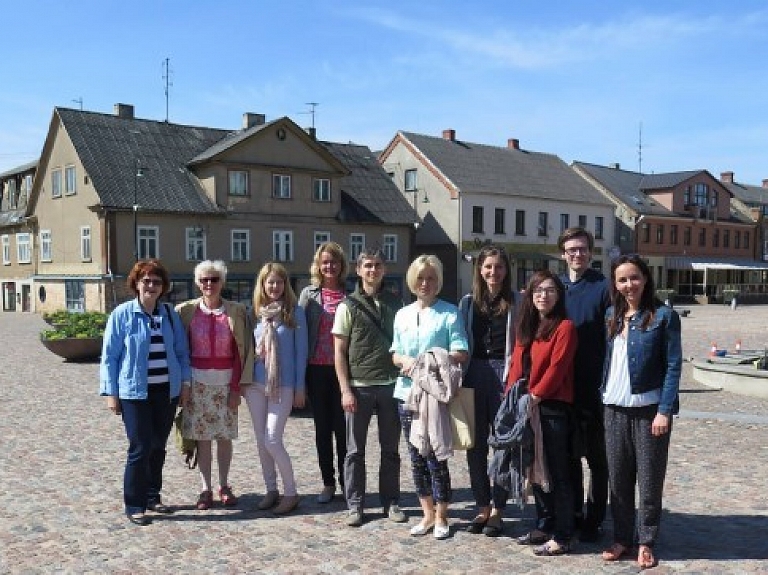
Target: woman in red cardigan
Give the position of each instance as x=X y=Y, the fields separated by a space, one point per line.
x=551 y=338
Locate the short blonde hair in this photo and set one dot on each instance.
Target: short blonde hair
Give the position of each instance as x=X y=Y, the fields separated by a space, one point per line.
x=260 y=297
x=338 y=254
x=218 y=267
x=416 y=267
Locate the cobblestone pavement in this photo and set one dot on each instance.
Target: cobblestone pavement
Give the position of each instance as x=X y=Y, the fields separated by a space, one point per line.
x=62 y=459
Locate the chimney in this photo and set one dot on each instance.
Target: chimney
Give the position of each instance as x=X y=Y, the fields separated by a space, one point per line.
x=615 y=166
x=250 y=120
x=449 y=134
x=765 y=183
x=124 y=111
x=726 y=177
x=513 y=144
x=755 y=214
x=312 y=133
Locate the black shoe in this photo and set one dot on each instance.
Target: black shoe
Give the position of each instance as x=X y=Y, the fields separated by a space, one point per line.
x=477 y=526
x=159 y=507
x=534 y=537
x=590 y=534
x=139 y=518
x=494 y=527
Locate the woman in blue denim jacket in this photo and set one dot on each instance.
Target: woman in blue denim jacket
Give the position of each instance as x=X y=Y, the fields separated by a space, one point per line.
x=640 y=385
x=144 y=360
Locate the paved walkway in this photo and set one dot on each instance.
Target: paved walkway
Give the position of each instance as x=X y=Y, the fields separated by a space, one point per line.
x=62 y=458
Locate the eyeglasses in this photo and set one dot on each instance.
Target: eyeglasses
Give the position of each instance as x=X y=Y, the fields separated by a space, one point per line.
x=577 y=251
x=544 y=291
x=149 y=282
x=213 y=280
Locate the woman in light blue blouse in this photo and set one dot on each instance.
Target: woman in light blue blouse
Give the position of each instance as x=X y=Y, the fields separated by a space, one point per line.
x=279 y=362
x=426 y=323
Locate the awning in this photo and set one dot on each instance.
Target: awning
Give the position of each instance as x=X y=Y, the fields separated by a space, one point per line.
x=703 y=263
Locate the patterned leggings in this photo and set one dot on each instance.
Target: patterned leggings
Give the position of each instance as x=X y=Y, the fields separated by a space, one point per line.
x=430 y=476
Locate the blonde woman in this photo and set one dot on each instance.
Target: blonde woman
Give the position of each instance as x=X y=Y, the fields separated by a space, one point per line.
x=279 y=362
x=218 y=343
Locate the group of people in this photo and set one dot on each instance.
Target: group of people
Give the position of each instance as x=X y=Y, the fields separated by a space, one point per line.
x=597 y=360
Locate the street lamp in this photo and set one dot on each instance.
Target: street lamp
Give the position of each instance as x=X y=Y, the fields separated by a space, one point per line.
x=136 y=175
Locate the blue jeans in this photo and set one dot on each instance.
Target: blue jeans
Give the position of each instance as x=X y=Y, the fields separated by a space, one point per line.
x=148 y=424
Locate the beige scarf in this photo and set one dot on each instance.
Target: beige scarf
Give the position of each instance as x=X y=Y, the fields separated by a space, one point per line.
x=266 y=348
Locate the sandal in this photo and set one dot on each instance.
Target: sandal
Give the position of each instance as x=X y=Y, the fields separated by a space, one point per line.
x=205 y=501
x=226 y=496
x=551 y=549
x=645 y=558
x=616 y=552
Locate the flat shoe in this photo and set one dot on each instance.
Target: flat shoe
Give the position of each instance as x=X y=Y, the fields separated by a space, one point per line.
x=268 y=501
x=287 y=504
x=420 y=529
x=160 y=507
x=616 y=552
x=442 y=531
x=534 y=537
x=476 y=526
x=645 y=558
x=493 y=527
x=326 y=495
x=138 y=519
x=551 y=549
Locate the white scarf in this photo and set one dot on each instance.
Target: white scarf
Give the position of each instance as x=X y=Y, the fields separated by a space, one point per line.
x=266 y=347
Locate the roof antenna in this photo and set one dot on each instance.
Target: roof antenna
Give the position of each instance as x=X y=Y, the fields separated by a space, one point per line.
x=312 y=106
x=640 y=149
x=79 y=101
x=168 y=83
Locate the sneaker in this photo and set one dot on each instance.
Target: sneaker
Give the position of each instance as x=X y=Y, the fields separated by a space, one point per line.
x=287 y=504
x=326 y=495
x=395 y=514
x=268 y=501
x=354 y=518
x=226 y=496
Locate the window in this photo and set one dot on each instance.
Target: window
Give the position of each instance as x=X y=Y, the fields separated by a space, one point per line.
x=238 y=183
x=281 y=186
x=598 y=227
x=282 y=246
x=320 y=239
x=673 y=234
x=646 y=233
x=713 y=198
x=726 y=238
x=565 y=222
x=70 y=180
x=701 y=192
x=6 y=241
x=542 y=223
x=500 y=214
x=687 y=196
x=659 y=233
x=687 y=236
x=716 y=238
x=241 y=245
x=746 y=240
x=583 y=223
x=149 y=242
x=737 y=240
x=519 y=222
x=410 y=180
x=23 y=248
x=389 y=247
x=85 y=243
x=477 y=219
x=703 y=237
x=195 y=244
x=45 y=246
x=56 y=183
x=356 y=245
x=74 y=291
x=12 y=196
x=321 y=190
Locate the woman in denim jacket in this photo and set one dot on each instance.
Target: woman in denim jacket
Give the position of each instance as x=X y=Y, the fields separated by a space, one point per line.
x=640 y=384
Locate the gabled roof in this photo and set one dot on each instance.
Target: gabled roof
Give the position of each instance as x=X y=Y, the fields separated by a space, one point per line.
x=368 y=193
x=651 y=182
x=753 y=196
x=111 y=148
x=480 y=168
x=626 y=186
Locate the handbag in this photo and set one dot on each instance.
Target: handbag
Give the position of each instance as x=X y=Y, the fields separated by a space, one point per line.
x=462 y=414
x=187 y=447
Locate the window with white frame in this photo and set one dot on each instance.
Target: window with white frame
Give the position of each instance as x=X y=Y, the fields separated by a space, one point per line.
x=282 y=245
x=410 y=180
x=241 y=245
x=70 y=180
x=195 y=244
x=74 y=293
x=24 y=248
x=389 y=247
x=356 y=245
x=281 y=186
x=46 y=252
x=56 y=183
x=238 y=183
x=321 y=238
x=321 y=190
x=85 y=243
x=12 y=196
x=149 y=242
x=6 y=241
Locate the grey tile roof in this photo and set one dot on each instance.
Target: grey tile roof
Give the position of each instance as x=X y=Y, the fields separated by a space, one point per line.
x=230 y=140
x=368 y=193
x=751 y=195
x=497 y=170
x=109 y=148
x=667 y=180
x=19 y=169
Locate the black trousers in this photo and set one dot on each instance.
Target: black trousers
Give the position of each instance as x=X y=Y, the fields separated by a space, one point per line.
x=325 y=397
x=592 y=432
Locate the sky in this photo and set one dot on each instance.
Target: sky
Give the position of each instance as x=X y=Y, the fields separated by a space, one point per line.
x=656 y=86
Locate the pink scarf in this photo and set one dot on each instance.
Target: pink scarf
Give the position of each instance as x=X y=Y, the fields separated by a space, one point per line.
x=266 y=347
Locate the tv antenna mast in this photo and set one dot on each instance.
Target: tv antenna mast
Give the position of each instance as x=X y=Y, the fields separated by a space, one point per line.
x=312 y=107
x=168 y=83
x=640 y=149
x=79 y=101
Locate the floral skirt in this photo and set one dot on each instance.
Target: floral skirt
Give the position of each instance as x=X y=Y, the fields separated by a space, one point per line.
x=207 y=416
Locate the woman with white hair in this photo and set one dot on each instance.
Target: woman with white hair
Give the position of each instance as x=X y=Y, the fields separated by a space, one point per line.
x=218 y=344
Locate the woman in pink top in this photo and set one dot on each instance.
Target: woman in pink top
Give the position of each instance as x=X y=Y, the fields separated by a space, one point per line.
x=218 y=336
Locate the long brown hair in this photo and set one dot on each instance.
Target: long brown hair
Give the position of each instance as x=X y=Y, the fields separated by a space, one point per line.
x=530 y=325
x=480 y=293
x=649 y=303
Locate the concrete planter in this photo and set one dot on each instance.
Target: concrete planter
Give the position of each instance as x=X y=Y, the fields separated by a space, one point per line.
x=74 y=348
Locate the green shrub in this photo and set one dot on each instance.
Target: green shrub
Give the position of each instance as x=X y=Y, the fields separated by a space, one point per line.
x=72 y=324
